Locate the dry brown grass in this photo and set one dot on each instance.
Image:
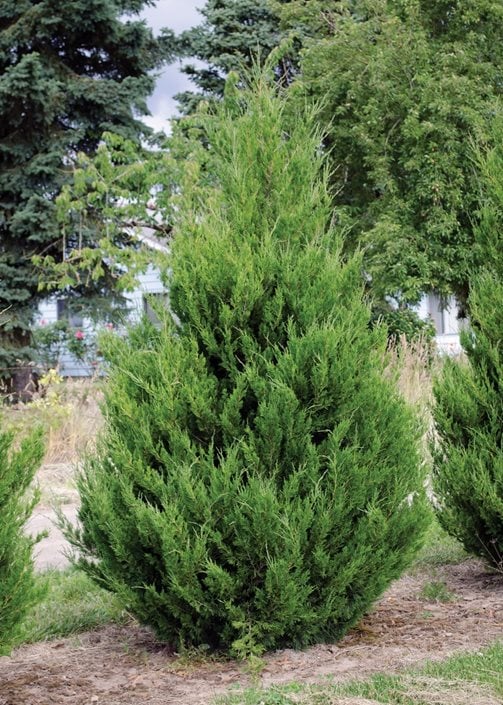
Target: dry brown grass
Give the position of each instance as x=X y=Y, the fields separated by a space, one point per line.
x=443 y=691
x=412 y=364
x=68 y=411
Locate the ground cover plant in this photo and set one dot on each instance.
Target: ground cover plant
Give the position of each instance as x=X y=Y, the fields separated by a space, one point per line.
x=259 y=481
x=18 y=588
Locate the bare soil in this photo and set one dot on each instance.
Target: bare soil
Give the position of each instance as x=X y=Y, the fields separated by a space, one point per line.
x=125 y=666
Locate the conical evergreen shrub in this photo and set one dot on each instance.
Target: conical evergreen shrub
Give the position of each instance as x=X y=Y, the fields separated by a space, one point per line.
x=258 y=483
x=468 y=469
x=18 y=588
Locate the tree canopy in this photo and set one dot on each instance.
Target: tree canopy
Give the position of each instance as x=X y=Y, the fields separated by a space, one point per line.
x=68 y=71
x=406 y=85
x=233 y=34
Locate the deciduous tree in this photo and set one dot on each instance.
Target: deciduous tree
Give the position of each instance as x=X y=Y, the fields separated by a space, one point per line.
x=405 y=86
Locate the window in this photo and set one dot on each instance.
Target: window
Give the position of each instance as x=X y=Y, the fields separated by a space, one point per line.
x=445 y=315
x=151 y=304
x=64 y=314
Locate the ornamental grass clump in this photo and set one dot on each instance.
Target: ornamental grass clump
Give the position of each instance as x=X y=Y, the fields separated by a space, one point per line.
x=19 y=590
x=258 y=483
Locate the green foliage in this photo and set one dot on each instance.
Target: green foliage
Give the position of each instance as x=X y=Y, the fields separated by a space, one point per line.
x=52 y=340
x=68 y=72
x=259 y=482
x=403 y=322
x=125 y=188
x=488 y=219
x=469 y=398
x=72 y=604
x=112 y=191
x=234 y=34
x=404 y=84
x=19 y=590
x=469 y=421
x=437 y=591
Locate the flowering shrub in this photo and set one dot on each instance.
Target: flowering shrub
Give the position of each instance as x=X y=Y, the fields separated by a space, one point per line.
x=49 y=342
x=52 y=340
x=82 y=346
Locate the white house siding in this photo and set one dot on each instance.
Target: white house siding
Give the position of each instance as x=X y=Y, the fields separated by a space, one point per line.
x=149 y=283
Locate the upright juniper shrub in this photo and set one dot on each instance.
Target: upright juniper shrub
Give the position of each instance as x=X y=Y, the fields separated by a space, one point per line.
x=258 y=483
x=469 y=421
x=468 y=468
x=18 y=588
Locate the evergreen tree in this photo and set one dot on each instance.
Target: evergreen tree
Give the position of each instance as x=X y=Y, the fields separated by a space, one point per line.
x=404 y=85
x=68 y=71
x=258 y=483
x=233 y=34
x=469 y=395
x=18 y=589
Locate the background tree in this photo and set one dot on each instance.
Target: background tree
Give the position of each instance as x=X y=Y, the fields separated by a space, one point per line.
x=127 y=187
x=404 y=84
x=234 y=34
x=259 y=481
x=18 y=588
x=468 y=470
x=68 y=71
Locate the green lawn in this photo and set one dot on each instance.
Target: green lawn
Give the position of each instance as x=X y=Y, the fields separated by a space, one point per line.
x=73 y=604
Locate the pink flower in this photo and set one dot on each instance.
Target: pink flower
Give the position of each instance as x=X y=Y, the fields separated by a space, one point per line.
x=109 y=326
x=43 y=322
x=79 y=335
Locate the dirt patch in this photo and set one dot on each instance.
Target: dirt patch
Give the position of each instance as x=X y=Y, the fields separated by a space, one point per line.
x=125 y=666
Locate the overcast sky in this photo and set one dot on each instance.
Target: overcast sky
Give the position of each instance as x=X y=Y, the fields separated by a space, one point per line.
x=177 y=15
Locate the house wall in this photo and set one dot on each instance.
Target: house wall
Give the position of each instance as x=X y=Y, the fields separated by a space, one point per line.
x=148 y=283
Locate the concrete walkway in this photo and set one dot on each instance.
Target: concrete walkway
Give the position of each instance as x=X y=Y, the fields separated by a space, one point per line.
x=50 y=551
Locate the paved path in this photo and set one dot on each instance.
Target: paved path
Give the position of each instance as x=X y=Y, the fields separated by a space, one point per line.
x=50 y=551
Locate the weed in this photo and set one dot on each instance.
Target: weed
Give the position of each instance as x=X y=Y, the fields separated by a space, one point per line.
x=69 y=413
x=436 y=591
